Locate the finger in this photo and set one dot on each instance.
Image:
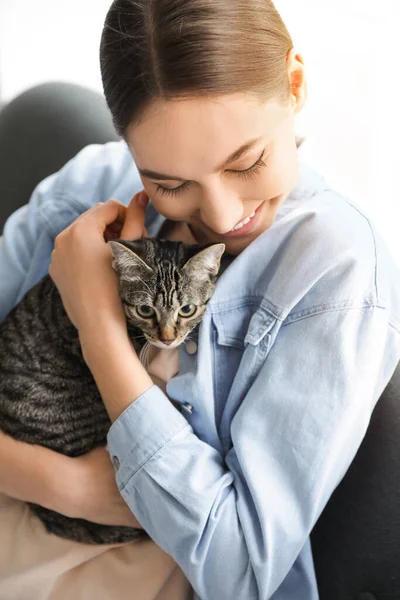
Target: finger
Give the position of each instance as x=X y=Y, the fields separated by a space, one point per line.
x=106 y=213
x=133 y=228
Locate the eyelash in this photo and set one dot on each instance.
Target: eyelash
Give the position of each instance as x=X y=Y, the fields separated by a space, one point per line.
x=249 y=173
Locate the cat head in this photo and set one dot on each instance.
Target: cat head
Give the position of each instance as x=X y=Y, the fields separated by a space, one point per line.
x=165 y=285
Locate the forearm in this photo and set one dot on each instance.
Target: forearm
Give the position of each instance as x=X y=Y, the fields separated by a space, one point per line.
x=115 y=366
x=27 y=472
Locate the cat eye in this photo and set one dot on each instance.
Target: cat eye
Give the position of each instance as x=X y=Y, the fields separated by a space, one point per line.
x=145 y=311
x=188 y=310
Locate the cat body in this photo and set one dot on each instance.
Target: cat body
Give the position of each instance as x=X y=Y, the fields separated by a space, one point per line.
x=47 y=393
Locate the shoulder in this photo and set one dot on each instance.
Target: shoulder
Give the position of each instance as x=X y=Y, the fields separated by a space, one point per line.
x=330 y=256
x=97 y=173
x=325 y=230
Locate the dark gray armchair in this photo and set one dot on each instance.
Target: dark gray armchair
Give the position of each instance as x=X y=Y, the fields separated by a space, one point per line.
x=356 y=541
x=40 y=131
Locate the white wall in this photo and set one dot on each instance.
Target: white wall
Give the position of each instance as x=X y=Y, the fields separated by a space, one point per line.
x=47 y=40
x=352 y=117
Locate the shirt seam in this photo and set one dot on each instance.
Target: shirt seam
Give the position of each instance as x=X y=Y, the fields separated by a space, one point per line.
x=373 y=238
x=395 y=327
x=316 y=310
x=264 y=303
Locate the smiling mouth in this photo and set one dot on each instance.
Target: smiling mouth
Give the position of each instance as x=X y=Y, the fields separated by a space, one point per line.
x=247 y=225
x=242 y=228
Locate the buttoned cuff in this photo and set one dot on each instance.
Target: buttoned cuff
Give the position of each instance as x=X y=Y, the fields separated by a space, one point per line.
x=140 y=431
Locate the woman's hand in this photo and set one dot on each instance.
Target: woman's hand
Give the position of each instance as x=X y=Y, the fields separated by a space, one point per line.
x=81 y=265
x=94 y=495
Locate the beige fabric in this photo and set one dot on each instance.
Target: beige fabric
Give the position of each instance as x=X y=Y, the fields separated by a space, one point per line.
x=36 y=565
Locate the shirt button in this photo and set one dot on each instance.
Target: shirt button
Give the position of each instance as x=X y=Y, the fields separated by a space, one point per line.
x=188 y=407
x=115 y=462
x=191 y=347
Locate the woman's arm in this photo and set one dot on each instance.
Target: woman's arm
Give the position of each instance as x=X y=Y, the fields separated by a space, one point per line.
x=119 y=375
x=81 y=269
x=236 y=524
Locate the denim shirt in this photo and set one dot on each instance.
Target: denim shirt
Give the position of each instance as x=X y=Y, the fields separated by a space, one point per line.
x=297 y=344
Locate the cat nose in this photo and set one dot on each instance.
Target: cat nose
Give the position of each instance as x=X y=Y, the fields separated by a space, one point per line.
x=167 y=333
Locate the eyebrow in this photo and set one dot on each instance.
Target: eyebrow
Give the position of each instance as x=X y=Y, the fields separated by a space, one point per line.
x=234 y=156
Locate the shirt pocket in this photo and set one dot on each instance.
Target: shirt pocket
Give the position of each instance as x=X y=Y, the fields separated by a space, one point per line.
x=243 y=337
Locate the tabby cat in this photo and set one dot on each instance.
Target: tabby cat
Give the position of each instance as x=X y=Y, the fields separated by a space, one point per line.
x=47 y=393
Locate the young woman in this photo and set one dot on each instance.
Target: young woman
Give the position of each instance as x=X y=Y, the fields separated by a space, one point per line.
x=297 y=343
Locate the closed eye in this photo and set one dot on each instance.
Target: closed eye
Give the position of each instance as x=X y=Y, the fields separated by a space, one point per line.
x=249 y=173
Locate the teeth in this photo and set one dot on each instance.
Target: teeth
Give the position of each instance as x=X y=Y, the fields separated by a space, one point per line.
x=247 y=219
x=239 y=226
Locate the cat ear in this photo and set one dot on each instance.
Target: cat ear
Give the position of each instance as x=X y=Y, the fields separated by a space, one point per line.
x=126 y=261
x=208 y=260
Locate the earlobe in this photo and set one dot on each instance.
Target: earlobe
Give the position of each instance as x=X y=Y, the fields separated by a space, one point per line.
x=301 y=96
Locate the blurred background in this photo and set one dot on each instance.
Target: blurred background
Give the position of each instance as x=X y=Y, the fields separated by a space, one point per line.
x=351 y=121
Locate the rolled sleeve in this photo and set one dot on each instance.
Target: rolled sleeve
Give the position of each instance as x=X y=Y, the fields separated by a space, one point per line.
x=142 y=430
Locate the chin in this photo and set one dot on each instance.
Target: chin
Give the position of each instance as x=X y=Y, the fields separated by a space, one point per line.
x=236 y=245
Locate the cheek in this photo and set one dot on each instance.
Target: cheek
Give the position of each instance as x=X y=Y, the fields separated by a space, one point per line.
x=281 y=172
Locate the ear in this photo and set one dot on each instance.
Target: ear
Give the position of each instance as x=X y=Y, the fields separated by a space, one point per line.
x=208 y=260
x=297 y=80
x=126 y=261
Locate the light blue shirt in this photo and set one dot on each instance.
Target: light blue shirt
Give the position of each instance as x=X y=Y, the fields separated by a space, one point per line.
x=294 y=350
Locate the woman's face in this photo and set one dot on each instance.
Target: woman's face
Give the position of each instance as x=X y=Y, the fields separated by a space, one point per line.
x=213 y=162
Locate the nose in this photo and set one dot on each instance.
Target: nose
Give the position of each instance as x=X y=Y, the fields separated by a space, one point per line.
x=167 y=333
x=221 y=210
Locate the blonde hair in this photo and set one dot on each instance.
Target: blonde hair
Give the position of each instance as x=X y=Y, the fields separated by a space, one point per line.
x=174 y=49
